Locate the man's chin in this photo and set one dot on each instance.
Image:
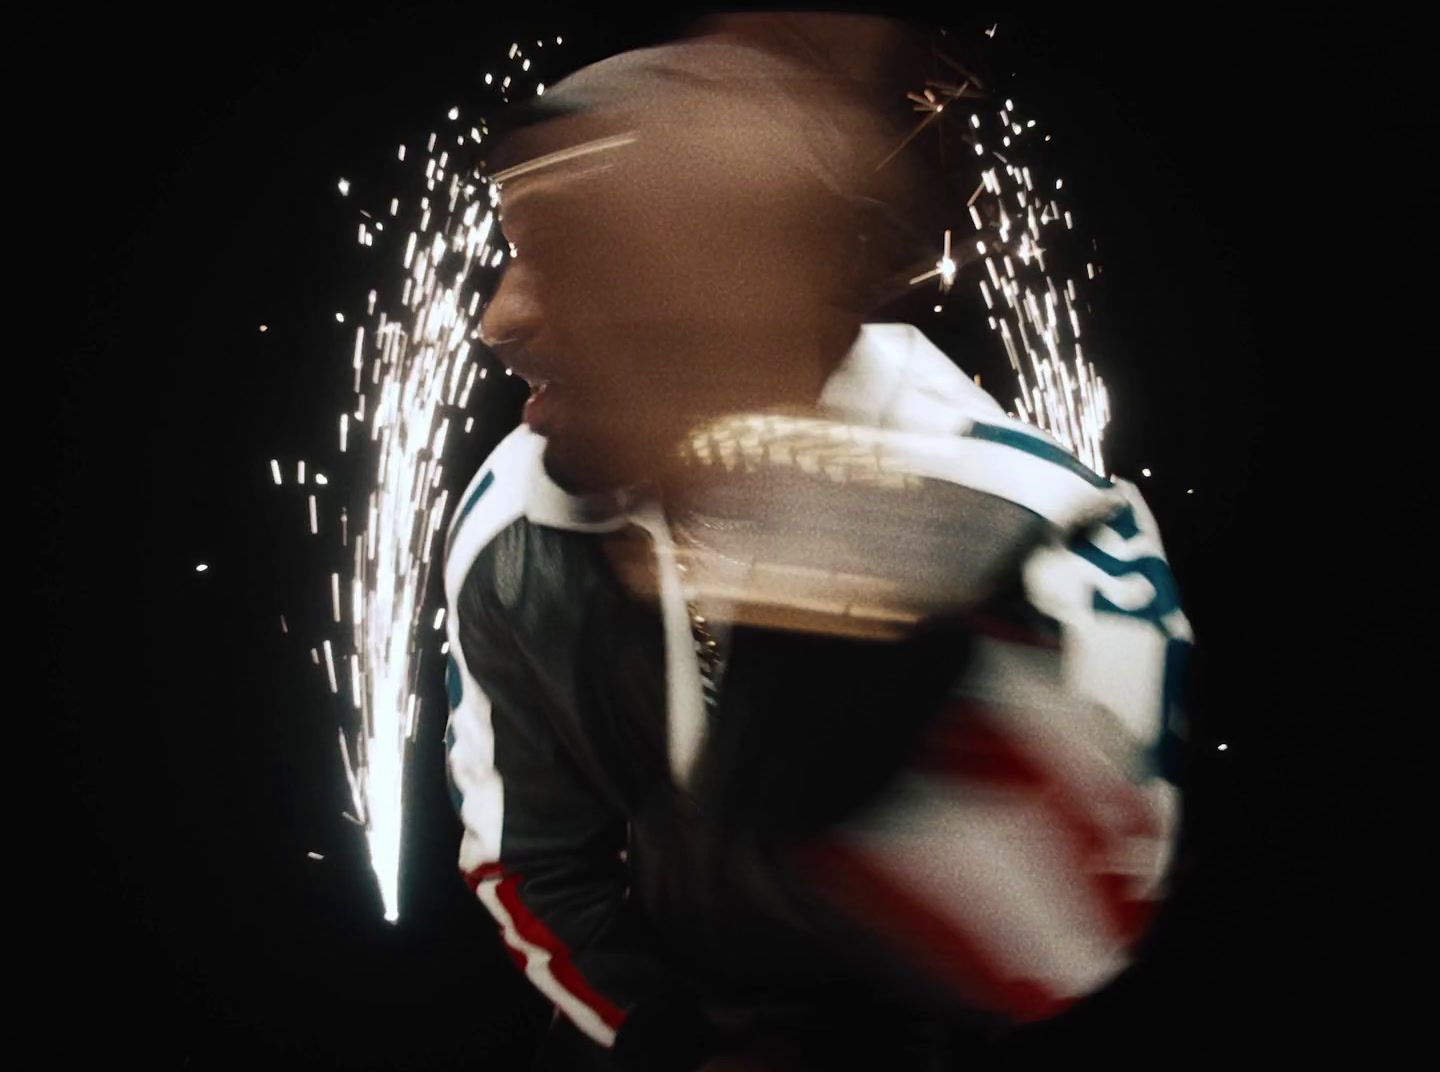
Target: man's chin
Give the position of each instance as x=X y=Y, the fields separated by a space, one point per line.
x=596 y=456
x=583 y=471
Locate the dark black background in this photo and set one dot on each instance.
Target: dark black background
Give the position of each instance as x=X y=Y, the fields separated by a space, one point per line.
x=1258 y=188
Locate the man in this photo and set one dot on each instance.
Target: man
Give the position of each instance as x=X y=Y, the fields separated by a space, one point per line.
x=784 y=728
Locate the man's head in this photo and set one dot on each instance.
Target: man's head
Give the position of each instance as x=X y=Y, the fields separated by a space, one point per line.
x=687 y=243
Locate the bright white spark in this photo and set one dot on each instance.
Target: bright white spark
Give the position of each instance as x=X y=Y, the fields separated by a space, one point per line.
x=275 y=469
x=201 y=567
x=1060 y=391
x=330 y=667
x=344 y=186
x=408 y=375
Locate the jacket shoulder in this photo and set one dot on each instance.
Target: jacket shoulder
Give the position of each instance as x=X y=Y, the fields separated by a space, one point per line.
x=493 y=502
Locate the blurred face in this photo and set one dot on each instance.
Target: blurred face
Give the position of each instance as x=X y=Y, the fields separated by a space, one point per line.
x=655 y=285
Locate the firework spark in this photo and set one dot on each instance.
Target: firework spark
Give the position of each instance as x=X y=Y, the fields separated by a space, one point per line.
x=1038 y=322
x=412 y=370
x=945 y=268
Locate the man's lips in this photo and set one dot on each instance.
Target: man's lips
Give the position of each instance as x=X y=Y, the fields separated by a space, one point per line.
x=540 y=406
x=532 y=379
x=531 y=371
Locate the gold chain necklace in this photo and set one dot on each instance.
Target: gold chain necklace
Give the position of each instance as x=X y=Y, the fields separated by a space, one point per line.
x=708 y=653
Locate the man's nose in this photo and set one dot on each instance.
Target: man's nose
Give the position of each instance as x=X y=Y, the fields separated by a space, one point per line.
x=512 y=314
